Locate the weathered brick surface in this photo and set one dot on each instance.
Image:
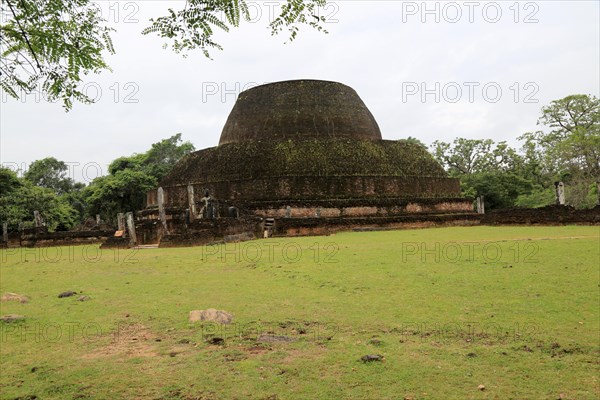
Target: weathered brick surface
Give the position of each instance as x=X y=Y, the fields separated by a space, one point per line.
x=315 y=188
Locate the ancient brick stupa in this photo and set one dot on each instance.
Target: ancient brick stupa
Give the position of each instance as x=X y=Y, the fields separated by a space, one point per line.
x=308 y=149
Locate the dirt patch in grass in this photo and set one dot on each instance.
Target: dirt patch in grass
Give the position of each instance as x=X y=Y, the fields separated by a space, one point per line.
x=294 y=355
x=134 y=340
x=257 y=350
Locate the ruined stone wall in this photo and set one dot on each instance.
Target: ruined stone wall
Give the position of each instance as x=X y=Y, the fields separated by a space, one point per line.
x=549 y=215
x=31 y=238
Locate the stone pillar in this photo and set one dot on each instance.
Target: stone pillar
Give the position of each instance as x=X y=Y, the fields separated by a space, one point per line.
x=318 y=212
x=191 y=202
x=98 y=219
x=131 y=228
x=120 y=221
x=161 y=209
x=5 y=232
x=37 y=219
x=560 y=193
x=288 y=212
x=480 y=205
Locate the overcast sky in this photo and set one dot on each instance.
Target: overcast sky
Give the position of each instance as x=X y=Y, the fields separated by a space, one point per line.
x=440 y=71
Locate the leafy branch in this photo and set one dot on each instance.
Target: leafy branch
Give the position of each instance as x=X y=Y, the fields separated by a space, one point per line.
x=194 y=26
x=50 y=44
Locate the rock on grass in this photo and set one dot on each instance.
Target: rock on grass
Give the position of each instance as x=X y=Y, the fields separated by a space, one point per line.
x=12 y=318
x=371 y=357
x=211 y=315
x=15 y=297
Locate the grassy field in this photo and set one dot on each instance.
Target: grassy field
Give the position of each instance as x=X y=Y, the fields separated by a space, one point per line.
x=512 y=308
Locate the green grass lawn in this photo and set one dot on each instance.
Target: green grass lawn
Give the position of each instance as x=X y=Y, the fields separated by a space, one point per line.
x=512 y=308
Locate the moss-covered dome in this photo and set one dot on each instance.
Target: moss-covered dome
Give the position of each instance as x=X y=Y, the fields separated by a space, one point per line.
x=299 y=109
x=307 y=140
x=311 y=157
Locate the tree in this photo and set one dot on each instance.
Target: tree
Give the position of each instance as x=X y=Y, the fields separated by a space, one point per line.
x=122 y=192
x=53 y=43
x=569 y=149
x=157 y=161
x=52 y=174
x=538 y=197
x=471 y=156
x=9 y=181
x=124 y=189
x=573 y=142
x=163 y=155
x=571 y=114
x=18 y=207
x=500 y=189
x=484 y=168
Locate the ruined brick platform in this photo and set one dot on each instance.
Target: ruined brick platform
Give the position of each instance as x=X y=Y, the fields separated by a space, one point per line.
x=298 y=151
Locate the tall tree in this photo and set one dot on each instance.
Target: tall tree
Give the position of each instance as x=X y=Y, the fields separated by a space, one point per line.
x=471 y=156
x=50 y=173
x=124 y=189
x=19 y=198
x=568 y=149
x=571 y=144
x=164 y=154
x=9 y=181
x=571 y=114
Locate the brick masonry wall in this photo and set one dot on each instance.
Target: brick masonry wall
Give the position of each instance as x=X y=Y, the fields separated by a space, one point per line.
x=314 y=188
x=458 y=205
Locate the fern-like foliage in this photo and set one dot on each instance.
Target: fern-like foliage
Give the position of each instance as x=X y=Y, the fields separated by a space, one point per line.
x=193 y=26
x=48 y=45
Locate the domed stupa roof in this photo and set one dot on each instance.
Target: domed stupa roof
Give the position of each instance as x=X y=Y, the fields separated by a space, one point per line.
x=299 y=109
x=308 y=139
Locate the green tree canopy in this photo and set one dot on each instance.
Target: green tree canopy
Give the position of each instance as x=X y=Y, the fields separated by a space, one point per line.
x=18 y=206
x=120 y=192
x=500 y=189
x=571 y=114
x=471 y=156
x=124 y=189
x=568 y=149
x=52 y=174
x=9 y=181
